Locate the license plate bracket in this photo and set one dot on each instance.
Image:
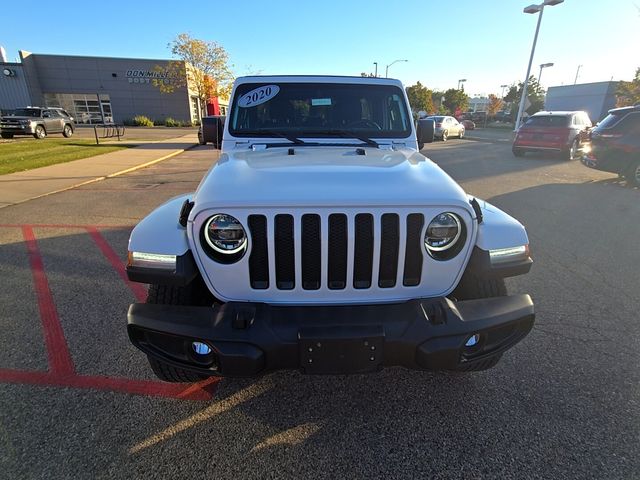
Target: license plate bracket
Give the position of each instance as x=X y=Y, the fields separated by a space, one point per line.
x=341 y=350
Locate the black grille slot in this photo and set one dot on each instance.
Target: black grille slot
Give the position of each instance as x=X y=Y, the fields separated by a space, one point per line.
x=389 y=245
x=285 y=252
x=259 y=258
x=311 y=252
x=413 y=253
x=337 y=251
x=363 y=251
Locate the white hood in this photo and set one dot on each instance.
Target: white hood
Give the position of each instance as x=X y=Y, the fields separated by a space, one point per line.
x=326 y=176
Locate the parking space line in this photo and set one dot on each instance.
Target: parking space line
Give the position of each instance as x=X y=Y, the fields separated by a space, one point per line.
x=139 y=290
x=58 y=353
x=61 y=371
x=200 y=391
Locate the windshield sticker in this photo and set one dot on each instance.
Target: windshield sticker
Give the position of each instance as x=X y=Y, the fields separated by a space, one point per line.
x=320 y=101
x=258 y=96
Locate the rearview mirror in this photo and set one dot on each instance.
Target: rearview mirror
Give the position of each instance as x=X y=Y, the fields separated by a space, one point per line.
x=425 y=132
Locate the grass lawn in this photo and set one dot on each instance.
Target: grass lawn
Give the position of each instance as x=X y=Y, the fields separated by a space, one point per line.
x=16 y=156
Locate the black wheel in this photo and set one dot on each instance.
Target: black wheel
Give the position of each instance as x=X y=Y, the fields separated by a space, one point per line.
x=445 y=135
x=461 y=133
x=517 y=152
x=195 y=293
x=572 y=153
x=472 y=287
x=40 y=132
x=480 y=365
x=169 y=373
x=633 y=174
x=6 y=135
x=67 y=131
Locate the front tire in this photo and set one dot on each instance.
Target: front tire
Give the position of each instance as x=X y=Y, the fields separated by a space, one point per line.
x=461 y=134
x=572 y=153
x=195 y=293
x=633 y=174
x=517 y=152
x=40 y=132
x=67 y=132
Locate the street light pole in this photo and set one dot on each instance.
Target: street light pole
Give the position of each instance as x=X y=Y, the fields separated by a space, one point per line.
x=386 y=73
x=461 y=81
x=539 y=9
x=543 y=65
x=577 y=73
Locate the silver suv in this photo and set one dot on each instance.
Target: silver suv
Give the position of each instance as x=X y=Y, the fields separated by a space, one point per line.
x=38 y=122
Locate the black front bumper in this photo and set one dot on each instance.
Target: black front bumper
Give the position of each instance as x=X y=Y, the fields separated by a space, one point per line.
x=249 y=339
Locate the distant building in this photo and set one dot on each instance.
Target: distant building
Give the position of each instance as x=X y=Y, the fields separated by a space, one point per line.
x=594 y=98
x=98 y=89
x=478 y=104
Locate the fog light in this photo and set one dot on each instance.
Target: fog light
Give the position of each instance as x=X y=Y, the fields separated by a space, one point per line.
x=201 y=348
x=472 y=340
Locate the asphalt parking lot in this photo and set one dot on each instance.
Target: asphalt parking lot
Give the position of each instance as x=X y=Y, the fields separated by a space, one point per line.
x=78 y=401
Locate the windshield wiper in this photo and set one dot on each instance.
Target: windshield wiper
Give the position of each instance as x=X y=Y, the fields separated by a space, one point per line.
x=347 y=134
x=293 y=139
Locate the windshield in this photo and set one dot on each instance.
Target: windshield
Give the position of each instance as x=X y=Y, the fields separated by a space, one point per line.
x=548 y=121
x=26 y=112
x=319 y=110
x=610 y=120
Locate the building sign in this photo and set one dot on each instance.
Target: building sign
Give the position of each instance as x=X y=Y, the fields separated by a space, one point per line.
x=146 y=76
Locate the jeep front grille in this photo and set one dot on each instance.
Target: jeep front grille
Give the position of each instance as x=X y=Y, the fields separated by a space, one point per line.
x=356 y=259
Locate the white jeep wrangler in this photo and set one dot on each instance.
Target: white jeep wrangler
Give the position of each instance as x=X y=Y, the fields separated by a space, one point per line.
x=323 y=240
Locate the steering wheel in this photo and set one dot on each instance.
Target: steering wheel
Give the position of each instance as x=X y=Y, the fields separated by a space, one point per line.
x=365 y=123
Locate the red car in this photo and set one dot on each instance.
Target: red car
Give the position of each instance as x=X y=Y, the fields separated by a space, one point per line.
x=562 y=132
x=468 y=124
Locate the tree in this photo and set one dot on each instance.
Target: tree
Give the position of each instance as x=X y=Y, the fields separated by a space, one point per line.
x=495 y=105
x=420 y=98
x=456 y=100
x=203 y=67
x=628 y=93
x=535 y=94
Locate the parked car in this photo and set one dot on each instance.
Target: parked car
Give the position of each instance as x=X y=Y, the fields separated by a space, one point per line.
x=615 y=144
x=562 y=132
x=323 y=241
x=210 y=130
x=447 y=126
x=468 y=125
x=37 y=121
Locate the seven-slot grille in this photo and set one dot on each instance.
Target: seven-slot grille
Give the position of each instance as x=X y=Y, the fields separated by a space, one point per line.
x=374 y=258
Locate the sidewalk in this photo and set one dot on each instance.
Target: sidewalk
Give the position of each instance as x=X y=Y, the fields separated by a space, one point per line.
x=22 y=186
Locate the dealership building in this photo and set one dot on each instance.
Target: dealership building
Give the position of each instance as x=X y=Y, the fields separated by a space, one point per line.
x=100 y=89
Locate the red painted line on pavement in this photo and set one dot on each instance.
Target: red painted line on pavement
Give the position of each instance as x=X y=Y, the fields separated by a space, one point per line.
x=64 y=225
x=138 y=289
x=58 y=353
x=200 y=391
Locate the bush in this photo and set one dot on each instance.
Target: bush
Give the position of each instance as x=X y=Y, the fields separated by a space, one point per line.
x=139 y=121
x=171 y=122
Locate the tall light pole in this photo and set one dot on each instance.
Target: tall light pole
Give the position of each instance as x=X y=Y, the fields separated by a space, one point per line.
x=532 y=9
x=503 y=87
x=543 y=65
x=461 y=81
x=376 y=74
x=386 y=73
x=577 y=73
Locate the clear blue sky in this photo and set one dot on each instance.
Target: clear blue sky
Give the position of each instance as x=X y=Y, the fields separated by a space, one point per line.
x=487 y=42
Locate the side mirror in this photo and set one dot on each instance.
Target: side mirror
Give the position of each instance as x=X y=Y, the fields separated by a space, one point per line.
x=425 y=131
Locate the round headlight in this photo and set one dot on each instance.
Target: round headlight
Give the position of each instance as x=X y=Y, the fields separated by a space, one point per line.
x=443 y=232
x=225 y=234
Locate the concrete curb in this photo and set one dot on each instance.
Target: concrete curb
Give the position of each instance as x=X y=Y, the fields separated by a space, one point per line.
x=111 y=175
